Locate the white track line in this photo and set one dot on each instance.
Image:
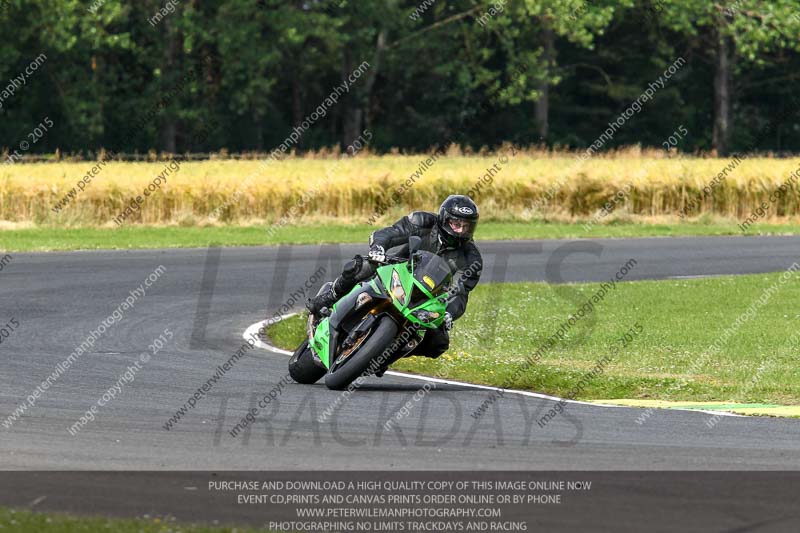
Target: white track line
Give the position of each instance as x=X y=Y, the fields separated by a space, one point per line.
x=252 y=332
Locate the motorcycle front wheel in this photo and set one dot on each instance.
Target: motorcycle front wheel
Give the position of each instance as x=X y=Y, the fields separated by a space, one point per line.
x=345 y=371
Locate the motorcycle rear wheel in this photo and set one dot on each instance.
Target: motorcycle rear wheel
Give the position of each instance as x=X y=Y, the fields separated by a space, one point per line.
x=302 y=368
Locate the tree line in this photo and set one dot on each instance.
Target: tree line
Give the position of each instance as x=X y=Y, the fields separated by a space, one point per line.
x=241 y=75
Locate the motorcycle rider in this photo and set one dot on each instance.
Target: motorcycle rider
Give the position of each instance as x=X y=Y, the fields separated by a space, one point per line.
x=449 y=235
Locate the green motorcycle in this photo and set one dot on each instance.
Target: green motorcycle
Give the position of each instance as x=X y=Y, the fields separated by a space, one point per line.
x=378 y=322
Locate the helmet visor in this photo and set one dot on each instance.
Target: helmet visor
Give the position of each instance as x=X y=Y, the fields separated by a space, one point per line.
x=460 y=228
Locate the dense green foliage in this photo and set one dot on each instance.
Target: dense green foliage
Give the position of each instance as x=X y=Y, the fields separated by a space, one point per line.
x=241 y=74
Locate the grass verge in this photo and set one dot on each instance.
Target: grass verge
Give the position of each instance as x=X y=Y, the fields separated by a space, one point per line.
x=289 y=333
x=680 y=320
x=54 y=238
x=23 y=521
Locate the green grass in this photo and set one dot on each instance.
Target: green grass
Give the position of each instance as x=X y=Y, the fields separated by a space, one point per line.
x=23 y=521
x=681 y=319
x=285 y=333
x=53 y=238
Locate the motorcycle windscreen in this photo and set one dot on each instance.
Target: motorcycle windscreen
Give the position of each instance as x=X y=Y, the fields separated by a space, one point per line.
x=432 y=272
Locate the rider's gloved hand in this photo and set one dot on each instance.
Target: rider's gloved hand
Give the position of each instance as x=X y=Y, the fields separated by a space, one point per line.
x=448 y=321
x=377 y=253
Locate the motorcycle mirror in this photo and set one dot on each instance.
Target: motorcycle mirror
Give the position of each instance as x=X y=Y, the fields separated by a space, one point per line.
x=414 y=243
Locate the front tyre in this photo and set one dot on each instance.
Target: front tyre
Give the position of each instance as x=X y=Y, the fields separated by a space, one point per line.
x=302 y=368
x=380 y=338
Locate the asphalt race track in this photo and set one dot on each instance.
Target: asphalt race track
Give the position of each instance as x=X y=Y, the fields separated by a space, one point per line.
x=207 y=298
x=199 y=302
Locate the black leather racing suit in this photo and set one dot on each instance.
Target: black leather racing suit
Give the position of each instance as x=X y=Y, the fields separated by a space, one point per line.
x=423 y=224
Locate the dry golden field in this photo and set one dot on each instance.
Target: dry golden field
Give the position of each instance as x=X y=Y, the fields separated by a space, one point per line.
x=522 y=185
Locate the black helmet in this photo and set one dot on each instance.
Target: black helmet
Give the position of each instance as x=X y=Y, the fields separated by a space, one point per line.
x=458 y=217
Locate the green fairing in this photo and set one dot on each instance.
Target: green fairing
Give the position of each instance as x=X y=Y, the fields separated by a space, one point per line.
x=408 y=281
x=320 y=343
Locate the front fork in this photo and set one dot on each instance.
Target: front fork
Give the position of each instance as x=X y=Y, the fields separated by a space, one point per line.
x=361 y=329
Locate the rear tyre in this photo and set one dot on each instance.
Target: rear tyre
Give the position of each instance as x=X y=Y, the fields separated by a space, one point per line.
x=302 y=368
x=381 y=337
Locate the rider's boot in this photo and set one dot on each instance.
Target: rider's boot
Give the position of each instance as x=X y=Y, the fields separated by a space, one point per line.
x=340 y=286
x=324 y=299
